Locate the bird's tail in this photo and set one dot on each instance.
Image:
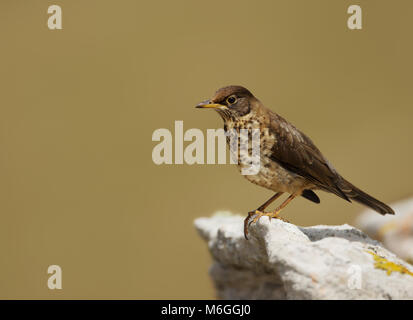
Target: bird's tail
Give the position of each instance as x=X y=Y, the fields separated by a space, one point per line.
x=354 y=193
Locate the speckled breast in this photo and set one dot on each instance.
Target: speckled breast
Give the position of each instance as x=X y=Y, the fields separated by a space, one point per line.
x=269 y=174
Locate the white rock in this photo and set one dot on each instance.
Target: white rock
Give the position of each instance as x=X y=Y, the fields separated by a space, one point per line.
x=394 y=231
x=283 y=261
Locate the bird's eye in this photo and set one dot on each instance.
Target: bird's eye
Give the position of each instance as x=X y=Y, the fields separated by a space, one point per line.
x=231 y=100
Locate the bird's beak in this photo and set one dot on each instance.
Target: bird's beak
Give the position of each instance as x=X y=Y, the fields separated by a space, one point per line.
x=209 y=104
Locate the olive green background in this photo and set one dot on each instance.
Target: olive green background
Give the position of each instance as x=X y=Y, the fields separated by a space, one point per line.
x=78 y=107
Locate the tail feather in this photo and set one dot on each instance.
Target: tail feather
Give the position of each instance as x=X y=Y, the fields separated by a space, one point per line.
x=360 y=196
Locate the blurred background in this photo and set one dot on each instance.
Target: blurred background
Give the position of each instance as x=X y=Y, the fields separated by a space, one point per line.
x=78 y=106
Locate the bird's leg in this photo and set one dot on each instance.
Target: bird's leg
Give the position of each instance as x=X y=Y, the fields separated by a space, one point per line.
x=269 y=201
x=274 y=214
x=259 y=212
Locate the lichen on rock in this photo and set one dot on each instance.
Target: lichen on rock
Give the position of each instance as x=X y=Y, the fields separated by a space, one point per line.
x=388 y=266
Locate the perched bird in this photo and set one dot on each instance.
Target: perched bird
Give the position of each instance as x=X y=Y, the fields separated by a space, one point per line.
x=289 y=160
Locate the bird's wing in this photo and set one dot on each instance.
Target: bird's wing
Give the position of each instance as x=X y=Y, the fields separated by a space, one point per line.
x=296 y=152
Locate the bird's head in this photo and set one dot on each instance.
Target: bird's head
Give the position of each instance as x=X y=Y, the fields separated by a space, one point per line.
x=232 y=102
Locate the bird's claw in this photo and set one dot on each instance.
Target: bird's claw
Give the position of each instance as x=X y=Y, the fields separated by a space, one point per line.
x=259 y=214
x=248 y=221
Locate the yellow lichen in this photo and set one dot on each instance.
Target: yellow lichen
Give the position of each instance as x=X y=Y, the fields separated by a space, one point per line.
x=383 y=263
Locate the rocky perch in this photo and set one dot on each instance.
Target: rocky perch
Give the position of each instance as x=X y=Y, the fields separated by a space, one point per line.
x=284 y=261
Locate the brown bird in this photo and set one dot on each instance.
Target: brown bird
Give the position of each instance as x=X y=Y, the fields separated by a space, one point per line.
x=289 y=160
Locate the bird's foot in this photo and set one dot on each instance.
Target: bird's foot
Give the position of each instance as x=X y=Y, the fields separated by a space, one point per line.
x=270 y=215
x=258 y=214
x=276 y=215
